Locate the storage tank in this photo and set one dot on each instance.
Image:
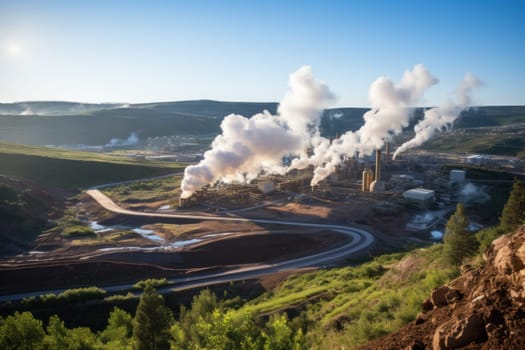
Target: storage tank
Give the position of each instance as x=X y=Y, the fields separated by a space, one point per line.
x=368 y=177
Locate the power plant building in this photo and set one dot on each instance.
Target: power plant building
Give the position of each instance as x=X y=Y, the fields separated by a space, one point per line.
x=419 y=197
x=457 y=176
x=266 y=186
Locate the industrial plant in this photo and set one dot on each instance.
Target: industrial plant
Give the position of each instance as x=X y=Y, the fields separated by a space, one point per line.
x=424 y=185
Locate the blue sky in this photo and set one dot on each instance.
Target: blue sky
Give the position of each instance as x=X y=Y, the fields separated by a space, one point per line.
x=138 y=51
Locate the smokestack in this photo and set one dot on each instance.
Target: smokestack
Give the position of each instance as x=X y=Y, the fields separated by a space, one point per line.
x=387 y=152
x=378 y=165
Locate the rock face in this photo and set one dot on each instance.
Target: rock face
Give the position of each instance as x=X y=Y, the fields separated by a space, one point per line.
x=482 y=309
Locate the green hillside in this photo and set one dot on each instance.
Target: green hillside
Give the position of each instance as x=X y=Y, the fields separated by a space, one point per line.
x=71 y=169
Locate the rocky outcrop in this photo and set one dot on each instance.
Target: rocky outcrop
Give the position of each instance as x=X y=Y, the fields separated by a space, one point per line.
x=444 y=295
x=482 y=309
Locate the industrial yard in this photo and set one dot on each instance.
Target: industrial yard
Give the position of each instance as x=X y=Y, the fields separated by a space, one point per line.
x=405 y=201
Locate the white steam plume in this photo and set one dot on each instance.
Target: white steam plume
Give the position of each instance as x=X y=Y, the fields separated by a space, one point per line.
x=132 y=140
x=438 y=118
x=248 y=146
x=391 y=112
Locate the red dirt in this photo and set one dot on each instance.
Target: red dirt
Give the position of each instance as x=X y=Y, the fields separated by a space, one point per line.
x=484 y=308
x=129 y=267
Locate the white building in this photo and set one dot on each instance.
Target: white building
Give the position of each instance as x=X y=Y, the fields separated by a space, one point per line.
x=419 y=197
x=457 y=176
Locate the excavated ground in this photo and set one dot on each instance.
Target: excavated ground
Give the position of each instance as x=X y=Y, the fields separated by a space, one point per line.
x=482 y=309
x=91 y=268
x=68 y=263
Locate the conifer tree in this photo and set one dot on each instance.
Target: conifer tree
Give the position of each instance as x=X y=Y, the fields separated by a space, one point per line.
x=513 y=213
x=21 y=331
x=459 y=243
x=152 y=322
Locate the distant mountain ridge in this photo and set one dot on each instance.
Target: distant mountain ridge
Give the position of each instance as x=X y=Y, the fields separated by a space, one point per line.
x=54 y=107
x=59 y=123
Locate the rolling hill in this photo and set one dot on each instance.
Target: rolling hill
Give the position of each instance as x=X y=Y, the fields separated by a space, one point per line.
x=59 y=123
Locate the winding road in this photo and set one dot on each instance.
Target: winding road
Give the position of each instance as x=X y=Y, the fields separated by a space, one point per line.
x=360 y=239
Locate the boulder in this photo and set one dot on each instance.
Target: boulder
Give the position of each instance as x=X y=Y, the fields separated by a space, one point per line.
x=456 y=334
x=444 y=295
x=427 y=305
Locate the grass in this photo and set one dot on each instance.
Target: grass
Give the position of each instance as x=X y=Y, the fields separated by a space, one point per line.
x=349 y=306
x=78 y=231
x=164 y=189
x=503 y=141
x=71 y=169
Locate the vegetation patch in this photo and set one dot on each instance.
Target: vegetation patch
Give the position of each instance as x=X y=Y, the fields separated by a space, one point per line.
x=78 y=231
x=72 y=169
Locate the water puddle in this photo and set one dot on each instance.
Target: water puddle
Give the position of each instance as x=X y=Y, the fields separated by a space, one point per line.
x=97 y=228
x=437 y=235
x=180 y=244
x=149 y=234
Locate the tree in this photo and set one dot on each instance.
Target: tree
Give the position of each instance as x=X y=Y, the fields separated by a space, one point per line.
x=119 y=330
x=281 y=336
x=59 y=337
x=513 y=213
x=201 y=310
x=56 y=338
x=459 y=243
x=21 y=331
x=152 y=321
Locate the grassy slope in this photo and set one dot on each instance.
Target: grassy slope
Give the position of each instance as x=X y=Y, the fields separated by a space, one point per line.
x=146 y=191
x=72 y=169
x=504 y=141
x=351 y=305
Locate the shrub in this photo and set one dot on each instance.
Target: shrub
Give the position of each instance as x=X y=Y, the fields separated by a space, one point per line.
x=153 y=282
x=78 y=231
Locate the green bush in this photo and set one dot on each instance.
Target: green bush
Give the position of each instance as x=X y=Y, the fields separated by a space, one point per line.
x=153 y=282
x=78 y=231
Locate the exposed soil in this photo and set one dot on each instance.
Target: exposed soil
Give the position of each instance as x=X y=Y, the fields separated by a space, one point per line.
x=26 y=209
x=482 y=309
x=128 y=267
x=73 y=262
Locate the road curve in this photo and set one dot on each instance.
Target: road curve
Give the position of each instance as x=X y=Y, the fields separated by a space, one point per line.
x=361 y=239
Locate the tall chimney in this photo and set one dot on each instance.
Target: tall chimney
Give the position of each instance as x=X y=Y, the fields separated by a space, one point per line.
x=378 y=165
x=387 y=152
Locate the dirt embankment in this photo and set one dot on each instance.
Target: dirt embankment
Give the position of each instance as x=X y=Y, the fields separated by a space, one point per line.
x=129 y=267
x=26 y=209
x=482 y=309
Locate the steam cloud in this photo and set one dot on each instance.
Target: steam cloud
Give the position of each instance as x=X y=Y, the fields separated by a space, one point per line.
x=442 y=117
x=391 y=111
x=471 y=193
x=248 y=146
x=132 y=140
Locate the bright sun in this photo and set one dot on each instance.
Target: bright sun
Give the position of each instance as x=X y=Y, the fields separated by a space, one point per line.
x=14 y=49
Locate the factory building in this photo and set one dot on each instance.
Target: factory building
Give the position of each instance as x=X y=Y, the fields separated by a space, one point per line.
x=266 y=186
x=419 y=198
x=457 y=176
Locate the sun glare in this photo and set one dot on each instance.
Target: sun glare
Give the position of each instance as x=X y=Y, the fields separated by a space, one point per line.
x=13 y=49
